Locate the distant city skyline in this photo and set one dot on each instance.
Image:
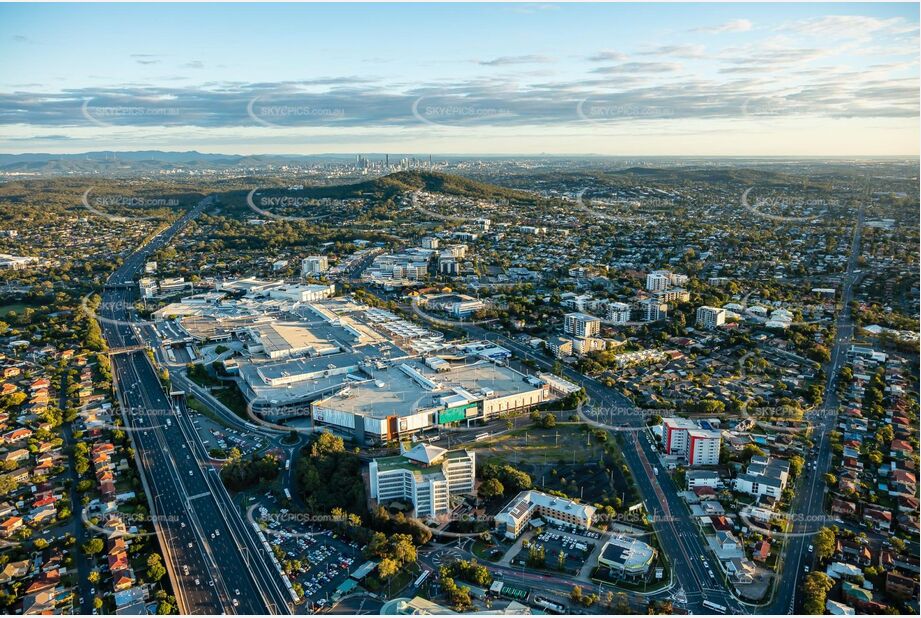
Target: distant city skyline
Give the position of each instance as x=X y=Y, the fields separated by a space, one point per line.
x=831 y=79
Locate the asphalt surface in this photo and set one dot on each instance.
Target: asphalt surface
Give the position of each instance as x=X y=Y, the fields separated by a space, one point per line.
x=809 y=503
x=216 y=562
x=671 y=518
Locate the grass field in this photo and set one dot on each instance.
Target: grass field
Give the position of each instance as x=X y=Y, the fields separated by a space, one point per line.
x=7 y=309
x=565 y=458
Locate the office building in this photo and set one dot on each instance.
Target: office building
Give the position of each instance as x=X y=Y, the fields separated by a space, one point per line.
x=531 y=506
x=627 y=558
x=424 y=475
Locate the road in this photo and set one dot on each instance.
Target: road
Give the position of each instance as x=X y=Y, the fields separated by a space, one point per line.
x=671 y=517
x=215 y=562
x=809 y=503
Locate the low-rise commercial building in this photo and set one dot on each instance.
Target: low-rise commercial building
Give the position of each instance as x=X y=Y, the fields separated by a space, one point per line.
x=532 y=504
x=627 y=558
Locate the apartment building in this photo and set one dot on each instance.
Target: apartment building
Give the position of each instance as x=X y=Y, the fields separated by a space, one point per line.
x=765 y=476
x=618 y=313
x=314 y=265
x=657 y=280
x=425 y=475
x=581 y=325
x=652 y=310
x=710 y=317
x=703 y=447
x=685 y=438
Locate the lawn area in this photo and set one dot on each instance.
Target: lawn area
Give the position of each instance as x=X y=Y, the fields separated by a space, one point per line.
x=483 y=550
x=398 y=582
x=565 y=443
x=7 y=309
x=233 y=399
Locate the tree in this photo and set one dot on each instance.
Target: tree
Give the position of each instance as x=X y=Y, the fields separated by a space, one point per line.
x=491 y=488
x=402 y=549
x=387 y=568
x=93 y=577
x=622 y=604
x=93 y=546
x=796 y=465
x=156 y=572
x=576 y=594
x=815 y=587
x=824 y=543
x=561 y=560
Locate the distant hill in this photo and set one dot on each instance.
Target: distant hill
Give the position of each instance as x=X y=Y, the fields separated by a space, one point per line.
x=435 y=182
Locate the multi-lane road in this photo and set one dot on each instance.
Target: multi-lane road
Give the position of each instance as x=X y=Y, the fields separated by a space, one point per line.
x=808 y=509
x=216 y=561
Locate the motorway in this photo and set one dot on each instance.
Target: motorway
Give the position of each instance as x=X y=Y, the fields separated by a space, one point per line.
x=216 y=562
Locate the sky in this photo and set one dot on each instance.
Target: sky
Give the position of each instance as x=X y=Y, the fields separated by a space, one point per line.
x=823 y=79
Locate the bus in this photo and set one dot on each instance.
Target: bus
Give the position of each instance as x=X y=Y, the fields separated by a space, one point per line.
x=550 y=606
x=421 y=579
x=481 y=436
x=287 y=493
x=715 y=607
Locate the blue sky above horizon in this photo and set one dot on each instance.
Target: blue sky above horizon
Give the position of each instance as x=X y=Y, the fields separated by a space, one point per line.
x=617 y=79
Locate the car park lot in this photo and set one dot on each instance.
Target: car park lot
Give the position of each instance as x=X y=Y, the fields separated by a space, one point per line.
x=576 y=547
x=326 y=558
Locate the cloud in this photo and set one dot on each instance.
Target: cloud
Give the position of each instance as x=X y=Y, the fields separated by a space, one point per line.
x=511 y=60
x=735 y=25
x=856 y=27
x=346 y=103
x=194 y=64
x=639 y=67
x=146 y=58
x=608 y=56
x=684 y=51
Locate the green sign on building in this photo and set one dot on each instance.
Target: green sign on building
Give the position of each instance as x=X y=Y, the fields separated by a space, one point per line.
x=452 y=415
